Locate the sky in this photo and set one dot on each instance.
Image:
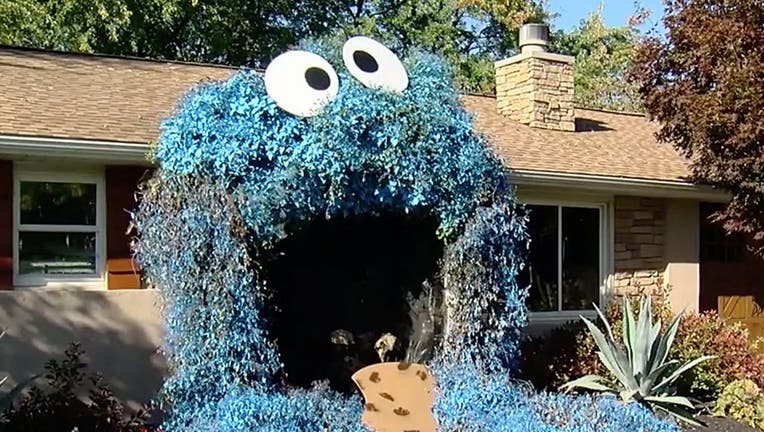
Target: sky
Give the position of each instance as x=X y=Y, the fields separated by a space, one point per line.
x=571 y=12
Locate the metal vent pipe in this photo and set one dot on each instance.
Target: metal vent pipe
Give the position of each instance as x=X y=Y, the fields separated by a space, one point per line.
x=534 y=37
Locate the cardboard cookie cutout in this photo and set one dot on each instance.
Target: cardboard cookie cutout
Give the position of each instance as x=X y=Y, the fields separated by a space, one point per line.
x=398 y=397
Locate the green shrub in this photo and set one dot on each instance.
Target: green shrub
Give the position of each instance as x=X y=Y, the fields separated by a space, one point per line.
x=7 y=398
x=569 y=351
x=562 y=354
x=743 y=401
x=639 y=361
x=57 y=406
x=737 y=357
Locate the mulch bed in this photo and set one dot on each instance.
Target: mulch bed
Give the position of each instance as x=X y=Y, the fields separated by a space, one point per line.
x=720 y=424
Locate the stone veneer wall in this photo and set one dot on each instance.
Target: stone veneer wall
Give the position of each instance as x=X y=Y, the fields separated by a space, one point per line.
x=640 y=245
x=536 y=89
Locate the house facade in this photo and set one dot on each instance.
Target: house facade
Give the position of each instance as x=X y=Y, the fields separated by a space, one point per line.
x=612 y=211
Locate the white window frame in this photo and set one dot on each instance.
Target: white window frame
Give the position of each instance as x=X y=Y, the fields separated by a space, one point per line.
x=605 y=257
x=84 y=175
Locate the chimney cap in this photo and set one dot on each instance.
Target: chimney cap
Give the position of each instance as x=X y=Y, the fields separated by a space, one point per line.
x=534 y=37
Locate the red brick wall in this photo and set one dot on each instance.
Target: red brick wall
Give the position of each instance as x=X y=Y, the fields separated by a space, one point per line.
x=6 y=225
x=121 y=185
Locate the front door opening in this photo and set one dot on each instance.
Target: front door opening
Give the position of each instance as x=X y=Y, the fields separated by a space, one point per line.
x=344 y=291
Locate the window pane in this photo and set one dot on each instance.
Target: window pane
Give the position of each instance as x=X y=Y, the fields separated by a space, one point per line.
x=57 y=203
x=580 y=258
x=541 y=273
x=716 y=244
x=57 y=253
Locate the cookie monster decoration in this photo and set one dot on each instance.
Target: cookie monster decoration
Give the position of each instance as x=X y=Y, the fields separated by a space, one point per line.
x=347 y=141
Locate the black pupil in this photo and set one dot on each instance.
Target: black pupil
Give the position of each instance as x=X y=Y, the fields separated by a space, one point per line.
x=317 y=78
x=365 y=61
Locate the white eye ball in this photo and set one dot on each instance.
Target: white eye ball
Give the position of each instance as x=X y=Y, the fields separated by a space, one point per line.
x=374 y=65
x=301 y=82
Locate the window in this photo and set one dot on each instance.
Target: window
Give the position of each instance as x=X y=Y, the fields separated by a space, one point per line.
x=716 y=244
x=565 y=266
x=57 y=228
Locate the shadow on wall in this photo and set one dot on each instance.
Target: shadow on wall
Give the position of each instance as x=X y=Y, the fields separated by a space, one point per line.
x=120 y=332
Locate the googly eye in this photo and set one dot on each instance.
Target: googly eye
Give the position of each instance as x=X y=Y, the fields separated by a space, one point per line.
x=301 y=82
x=374 y=65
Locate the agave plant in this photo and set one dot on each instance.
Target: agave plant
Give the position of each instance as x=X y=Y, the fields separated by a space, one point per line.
x=642 y=372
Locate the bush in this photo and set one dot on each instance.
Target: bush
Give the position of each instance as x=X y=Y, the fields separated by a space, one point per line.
x=475 y=400
x=57 y=406
x=550 y=360
x=743 y=401
x=737 y=357
x=569 y=352
x=7 y=398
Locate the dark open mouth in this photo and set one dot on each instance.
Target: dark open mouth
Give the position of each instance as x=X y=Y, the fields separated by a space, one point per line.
x=350 y=292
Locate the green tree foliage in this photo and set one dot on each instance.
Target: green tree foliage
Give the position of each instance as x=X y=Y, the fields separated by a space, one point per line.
x=603 y=57
x=223 y=31
x=703 y=83
x=469 y=33
x=78 y=25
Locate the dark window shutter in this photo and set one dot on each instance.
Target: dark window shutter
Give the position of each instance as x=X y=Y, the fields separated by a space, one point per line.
x=122 y=271
x=6 y=224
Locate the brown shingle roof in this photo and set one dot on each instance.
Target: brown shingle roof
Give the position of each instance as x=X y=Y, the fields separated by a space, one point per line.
x=116 y=99
x=605 y=143
x=91 y=97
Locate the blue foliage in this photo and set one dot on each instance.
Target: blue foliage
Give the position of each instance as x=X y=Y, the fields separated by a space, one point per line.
x=237 y=175
x=471 y=399
x=315 y=409
x=369 y=151
x=485 y=304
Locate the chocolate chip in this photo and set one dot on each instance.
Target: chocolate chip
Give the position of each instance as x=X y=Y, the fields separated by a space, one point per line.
x=401 y=411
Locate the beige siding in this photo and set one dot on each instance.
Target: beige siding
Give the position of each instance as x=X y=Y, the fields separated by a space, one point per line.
x=119 y=330
x=682 y=253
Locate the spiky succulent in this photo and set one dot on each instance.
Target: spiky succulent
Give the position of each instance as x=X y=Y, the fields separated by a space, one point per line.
x=640 y=363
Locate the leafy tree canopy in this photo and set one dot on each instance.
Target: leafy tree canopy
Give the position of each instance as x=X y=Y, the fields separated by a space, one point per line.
x=703 y=82
x=223 y=31
x=469 y=33
x=603 y=56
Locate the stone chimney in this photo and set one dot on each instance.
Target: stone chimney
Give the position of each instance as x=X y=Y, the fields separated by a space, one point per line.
x=535 y=87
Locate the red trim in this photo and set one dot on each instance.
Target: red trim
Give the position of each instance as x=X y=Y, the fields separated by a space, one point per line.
x=121 y=185
x=6 y=225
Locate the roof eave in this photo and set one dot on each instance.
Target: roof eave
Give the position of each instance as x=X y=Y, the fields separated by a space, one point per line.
x=135 y=153
x=51 y=147
x=619 y=185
